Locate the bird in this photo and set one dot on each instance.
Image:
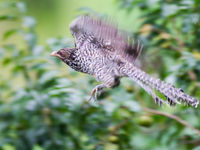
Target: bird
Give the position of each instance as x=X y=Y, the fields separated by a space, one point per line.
x=107 y=53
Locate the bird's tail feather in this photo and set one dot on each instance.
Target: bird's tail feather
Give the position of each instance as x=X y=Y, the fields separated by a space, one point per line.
x=148 y=83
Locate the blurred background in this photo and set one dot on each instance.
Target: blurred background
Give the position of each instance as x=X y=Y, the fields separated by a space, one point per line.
x=43 y=103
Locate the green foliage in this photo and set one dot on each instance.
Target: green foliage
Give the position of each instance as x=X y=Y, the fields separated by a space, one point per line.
x=45 y=107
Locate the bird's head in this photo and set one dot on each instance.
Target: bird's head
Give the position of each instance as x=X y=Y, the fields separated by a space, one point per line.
x=63 y=53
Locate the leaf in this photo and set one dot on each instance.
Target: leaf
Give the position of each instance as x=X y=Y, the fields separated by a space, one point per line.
x=7 y=61
x=111 y=146
x=165 y=44
x=165 y=35
x=196 y=148
x=21 y=6
x=7 y=17
x=47 y=76
x=132 y=105
x=28 y=22
x=9 y=33
x=146 y=29
x=60 y=91
x=37 y=147
x=169 y=9
x=8 y=147
x=196 y=55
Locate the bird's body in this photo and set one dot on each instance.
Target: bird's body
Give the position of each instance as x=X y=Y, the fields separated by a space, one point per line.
x=102 y=51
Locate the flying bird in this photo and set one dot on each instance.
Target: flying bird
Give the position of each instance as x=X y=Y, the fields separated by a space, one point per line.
x=103 y=51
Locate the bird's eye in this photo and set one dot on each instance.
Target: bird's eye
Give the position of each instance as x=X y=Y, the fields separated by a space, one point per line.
x=60 y=53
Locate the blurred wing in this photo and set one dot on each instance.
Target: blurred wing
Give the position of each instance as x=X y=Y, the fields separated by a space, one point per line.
x=106 y=35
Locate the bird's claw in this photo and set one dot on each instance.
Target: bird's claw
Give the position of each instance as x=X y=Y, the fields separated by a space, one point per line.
x=93 y=94
x=96 y=92
x=158 y=101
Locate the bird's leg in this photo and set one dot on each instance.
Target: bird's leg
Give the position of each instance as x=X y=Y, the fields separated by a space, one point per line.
x=108 y=79
x=97 y=90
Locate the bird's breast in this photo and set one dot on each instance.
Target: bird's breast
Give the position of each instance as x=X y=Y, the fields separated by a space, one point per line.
x=82 y=62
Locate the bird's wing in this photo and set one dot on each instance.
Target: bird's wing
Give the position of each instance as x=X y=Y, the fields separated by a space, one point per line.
x=107 y=35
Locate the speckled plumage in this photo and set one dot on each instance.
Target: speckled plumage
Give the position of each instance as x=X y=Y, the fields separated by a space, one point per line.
x=106 y=53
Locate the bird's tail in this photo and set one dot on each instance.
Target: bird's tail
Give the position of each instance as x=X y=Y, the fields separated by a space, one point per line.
x=149 y=83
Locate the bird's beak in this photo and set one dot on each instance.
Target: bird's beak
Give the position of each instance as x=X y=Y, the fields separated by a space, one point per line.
x=54 y=53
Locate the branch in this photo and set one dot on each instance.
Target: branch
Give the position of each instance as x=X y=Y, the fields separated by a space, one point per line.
x=173 y=117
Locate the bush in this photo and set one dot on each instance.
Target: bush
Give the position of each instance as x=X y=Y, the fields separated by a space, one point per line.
x=44 y=107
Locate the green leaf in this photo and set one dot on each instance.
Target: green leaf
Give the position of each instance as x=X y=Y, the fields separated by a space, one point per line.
x=47 y=76
x=111 y=146
x=10 y=33
x=8 y=147
x=37 y=147
x=7 y=17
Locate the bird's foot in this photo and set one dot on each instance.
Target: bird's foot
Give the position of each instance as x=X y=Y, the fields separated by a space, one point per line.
x=158 y=101
x=171 y=102
x=96 y=91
